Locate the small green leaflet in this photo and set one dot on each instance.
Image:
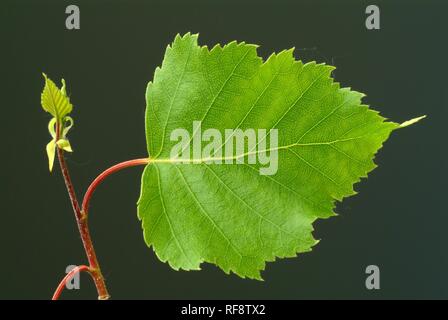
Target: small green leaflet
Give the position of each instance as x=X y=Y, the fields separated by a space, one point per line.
x=55 y=100
x=230 y=215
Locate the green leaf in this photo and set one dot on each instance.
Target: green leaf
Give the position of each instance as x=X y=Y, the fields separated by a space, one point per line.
x=55 y=100
x=231 y=215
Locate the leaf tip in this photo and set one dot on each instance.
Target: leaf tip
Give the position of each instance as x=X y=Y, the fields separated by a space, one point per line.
x=411 y=122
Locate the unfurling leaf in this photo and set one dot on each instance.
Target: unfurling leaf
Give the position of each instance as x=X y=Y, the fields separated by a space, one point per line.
x=64 y=144
x=56 y=102
x=230 y=215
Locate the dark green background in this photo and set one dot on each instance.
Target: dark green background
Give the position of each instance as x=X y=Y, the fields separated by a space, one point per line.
x=397 y=221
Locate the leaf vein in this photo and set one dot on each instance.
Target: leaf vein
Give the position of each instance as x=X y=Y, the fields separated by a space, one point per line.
x=202 y=209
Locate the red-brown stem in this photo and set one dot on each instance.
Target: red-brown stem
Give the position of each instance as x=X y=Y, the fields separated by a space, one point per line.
x=68 y=276
x=81 y=220
x=105 y=174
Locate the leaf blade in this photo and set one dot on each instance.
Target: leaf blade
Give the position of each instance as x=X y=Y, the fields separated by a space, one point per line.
x=229 y=215
x=55 y=100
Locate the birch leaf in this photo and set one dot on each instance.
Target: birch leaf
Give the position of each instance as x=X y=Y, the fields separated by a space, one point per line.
x=230 y=215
